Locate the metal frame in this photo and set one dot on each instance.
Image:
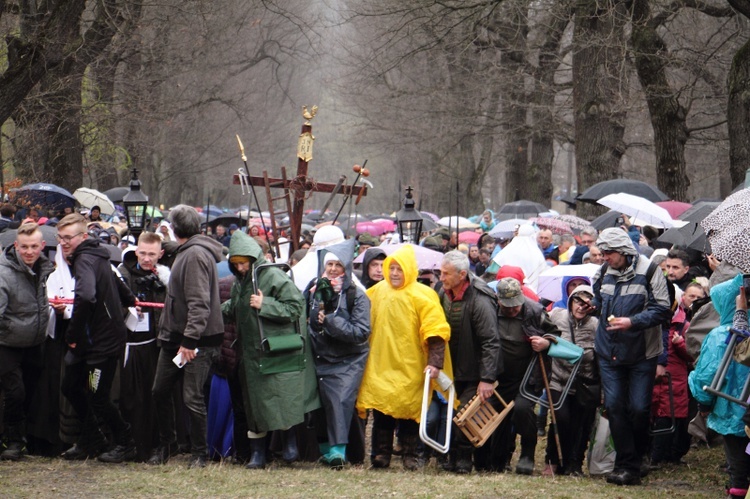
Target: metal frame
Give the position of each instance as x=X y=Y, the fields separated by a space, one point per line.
x=539 y=400
x=721 y=373
x=672 y=428
x=446 y=384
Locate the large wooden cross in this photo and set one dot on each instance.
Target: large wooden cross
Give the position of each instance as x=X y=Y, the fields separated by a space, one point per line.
x=302 y=184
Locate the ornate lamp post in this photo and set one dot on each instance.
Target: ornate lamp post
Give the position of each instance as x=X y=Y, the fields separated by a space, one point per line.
x=409 y=220
x=135 y=203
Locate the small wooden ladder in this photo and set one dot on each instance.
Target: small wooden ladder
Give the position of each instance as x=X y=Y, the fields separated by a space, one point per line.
x=279 y=212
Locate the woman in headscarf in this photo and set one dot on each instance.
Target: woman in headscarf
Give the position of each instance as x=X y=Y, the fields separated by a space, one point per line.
x=165 y=231
x=409 y=337
x=339 y=327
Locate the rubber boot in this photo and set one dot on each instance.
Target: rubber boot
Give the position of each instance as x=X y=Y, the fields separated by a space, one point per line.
x=383 y=448
x=409 y=457
x=15 y=447
x=257 y=454
x=336 y=456
x=289 y=452
x=324 y=449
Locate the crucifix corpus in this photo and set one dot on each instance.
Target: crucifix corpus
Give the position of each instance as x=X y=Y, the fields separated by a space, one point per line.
x=301 y=186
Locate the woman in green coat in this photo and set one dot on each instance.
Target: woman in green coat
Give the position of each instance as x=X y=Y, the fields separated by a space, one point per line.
x=277 y=386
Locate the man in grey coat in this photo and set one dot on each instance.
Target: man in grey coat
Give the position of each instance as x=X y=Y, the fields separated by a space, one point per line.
x=191 y=326
x=24 y=311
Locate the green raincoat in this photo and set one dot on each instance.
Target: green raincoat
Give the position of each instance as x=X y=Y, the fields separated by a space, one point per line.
x=277 y=388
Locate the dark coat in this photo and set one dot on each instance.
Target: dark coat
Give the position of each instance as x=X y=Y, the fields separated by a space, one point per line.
x=97 y=327
x=475 y=341
x=145 y=290
x=229 y=357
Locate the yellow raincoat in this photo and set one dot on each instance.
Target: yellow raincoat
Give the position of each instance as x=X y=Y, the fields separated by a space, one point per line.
x=402 y=319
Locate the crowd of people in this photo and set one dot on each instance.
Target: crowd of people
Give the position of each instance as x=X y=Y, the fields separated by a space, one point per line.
x=119 y=362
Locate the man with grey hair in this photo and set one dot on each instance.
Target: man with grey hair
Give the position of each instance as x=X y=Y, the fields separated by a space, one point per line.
x=471 y=310
x=632 y=298
x=191 y=328
x=23 y=307
x=588 y=239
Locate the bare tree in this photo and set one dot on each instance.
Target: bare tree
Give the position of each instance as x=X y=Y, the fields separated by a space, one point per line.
x=738 y=105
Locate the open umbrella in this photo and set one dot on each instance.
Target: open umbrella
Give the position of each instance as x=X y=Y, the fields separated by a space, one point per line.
x=520 y=209
x=8 y=237
x=226 y=219
x=690 y=235
x=550 y=281
x=427 y=259
x=727 y=230
x=153 y=212
x=91 y=197
x=116 y=194
x=577 y=224
x=553 y=224
x=675 y=208
x=372 y=228
x=507 y=228
x=638 y=207
x=428 y=223
x=469 y=237
x=699 y=211
x=618 y=185
x=457 y=223
x=48 y=196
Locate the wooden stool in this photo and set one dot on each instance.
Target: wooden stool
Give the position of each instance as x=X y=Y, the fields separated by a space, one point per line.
x=478 y=420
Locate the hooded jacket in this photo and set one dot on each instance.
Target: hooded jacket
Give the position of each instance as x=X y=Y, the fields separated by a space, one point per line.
x=726 y=416
x=584 y=332
x=344 y=332
x=402 y=320
x=23 y=300
x=370 y=255
x=475 y=342
x=277 y=388
x=145 y=288
x=563 y=302
x=97 y=327
x=192 y=311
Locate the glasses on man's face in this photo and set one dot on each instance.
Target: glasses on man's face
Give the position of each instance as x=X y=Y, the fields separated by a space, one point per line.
x=67 y=239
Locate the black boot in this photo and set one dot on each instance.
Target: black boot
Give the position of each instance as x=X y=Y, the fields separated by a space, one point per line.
x=15 y=447
x=289 y=452
x=463 y=461
x=541 y=424
x=409 y=456
x=383 y=446
x=257 y=454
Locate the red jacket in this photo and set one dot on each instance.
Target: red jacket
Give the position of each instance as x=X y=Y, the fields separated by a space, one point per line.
x=678 y=364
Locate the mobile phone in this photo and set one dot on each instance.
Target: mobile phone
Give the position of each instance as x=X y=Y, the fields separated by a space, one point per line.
x=179 y=361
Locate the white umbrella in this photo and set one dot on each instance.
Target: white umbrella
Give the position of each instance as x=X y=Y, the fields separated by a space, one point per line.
x=457 y=222
x=507 y=228
x=91 y=197
x=637 y=207
x=550 y=281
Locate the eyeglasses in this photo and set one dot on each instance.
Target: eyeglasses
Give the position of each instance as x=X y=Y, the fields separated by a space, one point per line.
x=67 y=239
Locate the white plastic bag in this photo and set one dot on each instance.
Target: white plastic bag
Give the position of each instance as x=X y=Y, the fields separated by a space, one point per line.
x=602 y=453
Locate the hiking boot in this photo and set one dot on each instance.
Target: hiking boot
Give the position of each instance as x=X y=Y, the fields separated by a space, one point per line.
x=525 y=466
x=119 y=454
x=160 y=455
x=463 y=462
x=14 y=451
x=624 y=477
x=76 y=453
x=383 y=448
x=197 y=462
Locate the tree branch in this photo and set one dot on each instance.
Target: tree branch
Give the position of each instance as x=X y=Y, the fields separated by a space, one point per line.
x=699 y=5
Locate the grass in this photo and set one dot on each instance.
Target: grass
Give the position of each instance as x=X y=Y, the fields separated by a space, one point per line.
x=45 y=477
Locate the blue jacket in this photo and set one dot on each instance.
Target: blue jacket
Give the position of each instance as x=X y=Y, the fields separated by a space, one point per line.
x=626 y=293
x=726 y=416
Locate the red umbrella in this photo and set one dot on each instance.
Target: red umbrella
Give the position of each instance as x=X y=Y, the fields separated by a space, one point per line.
x=468 y=236
x=675 y=208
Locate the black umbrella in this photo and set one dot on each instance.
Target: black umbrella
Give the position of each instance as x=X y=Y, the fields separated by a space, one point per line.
x=47 y=196
x=689 y=236
x=8 y=237
x=609 y=219
x=699 y=211
x=226 y=219
x=520 y=209
x=634 y=187
x=116 y=194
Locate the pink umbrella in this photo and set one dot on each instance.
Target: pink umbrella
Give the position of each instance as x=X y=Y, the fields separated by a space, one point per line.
x=427 y=259
x=553 y=224
x=469 y=237
x=675 y=208
x=387 y=225
x=373 y=228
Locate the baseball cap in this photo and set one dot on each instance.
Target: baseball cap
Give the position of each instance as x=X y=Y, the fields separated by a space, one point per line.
x=509 y=292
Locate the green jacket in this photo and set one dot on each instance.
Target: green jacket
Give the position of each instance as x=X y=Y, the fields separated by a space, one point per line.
x=277 y=388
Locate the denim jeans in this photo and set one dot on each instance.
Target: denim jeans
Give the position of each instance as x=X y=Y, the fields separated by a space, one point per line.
x=627 y=399
x=194 y=375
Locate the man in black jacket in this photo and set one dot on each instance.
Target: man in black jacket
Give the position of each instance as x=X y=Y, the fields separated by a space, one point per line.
x=471 y=311
x=96 y=338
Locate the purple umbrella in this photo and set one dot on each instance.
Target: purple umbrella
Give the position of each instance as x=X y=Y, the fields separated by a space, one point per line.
x=427 y=259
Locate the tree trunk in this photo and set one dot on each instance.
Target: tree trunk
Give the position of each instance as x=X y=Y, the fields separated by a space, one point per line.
x=738 y=114
x=668 y=116
x=598 y=79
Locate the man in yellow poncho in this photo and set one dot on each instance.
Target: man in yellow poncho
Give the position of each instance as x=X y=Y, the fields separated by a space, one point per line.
x=409 y=336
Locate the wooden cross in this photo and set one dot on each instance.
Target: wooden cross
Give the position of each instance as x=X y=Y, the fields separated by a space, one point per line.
x=302 y=184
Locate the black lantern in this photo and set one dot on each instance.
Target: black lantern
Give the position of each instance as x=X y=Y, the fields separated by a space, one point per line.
x=409 y=220
x=135 y=203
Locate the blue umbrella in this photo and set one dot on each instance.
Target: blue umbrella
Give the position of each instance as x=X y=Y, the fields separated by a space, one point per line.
x=47 y=196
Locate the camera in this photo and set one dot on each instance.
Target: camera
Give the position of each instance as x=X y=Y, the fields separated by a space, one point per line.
x=151 y=281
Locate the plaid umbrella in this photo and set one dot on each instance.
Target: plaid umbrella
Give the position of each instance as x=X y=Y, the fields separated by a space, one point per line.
x=553 y=224
x=727 y=230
